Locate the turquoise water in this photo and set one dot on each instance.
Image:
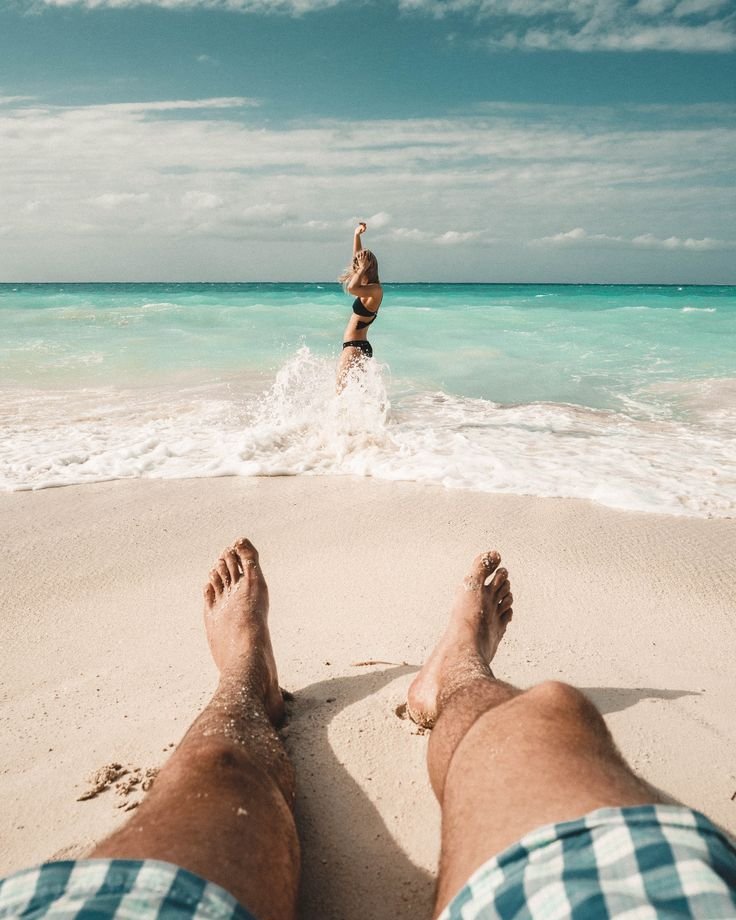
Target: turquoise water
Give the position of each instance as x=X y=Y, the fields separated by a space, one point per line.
x=621 y=394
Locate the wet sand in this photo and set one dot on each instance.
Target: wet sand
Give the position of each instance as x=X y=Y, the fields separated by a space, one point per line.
x=104 y=659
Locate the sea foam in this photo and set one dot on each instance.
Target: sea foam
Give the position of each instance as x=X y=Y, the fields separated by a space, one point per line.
x=300 y=425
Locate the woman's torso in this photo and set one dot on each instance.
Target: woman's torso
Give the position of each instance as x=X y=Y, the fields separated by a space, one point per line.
x=364 y=312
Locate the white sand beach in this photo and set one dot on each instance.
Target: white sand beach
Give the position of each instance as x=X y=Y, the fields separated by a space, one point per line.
x=104 y=658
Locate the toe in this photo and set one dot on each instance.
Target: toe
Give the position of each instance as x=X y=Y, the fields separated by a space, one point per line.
x=216 y=582
x=501 y=590
x=483 y=567
x=498 y=579
x=505 y=610
x=209 y=594
x=233 y=565
x=223 y=571
x=246 y=552
x=487 y=563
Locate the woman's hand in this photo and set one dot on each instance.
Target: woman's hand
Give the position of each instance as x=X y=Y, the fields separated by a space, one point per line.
x=361 y=228
x=359 y=261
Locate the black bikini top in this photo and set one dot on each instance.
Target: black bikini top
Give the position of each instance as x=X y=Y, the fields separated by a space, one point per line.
x=360 y=310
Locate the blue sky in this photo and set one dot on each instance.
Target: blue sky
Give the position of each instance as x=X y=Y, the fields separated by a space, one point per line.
x=483 y=140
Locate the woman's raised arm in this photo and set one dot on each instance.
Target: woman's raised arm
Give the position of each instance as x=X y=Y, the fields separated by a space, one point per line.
x=359 y=231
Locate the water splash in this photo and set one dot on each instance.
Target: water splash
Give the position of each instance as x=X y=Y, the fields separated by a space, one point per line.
x=303 y=425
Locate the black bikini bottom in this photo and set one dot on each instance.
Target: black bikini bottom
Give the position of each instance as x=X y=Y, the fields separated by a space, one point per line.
x=361 y=345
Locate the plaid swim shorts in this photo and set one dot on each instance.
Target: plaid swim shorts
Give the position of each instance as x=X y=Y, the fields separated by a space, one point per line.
x=641 y=863
x=124 y=889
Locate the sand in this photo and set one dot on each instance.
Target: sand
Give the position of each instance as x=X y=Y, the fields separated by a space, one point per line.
x=104 y=660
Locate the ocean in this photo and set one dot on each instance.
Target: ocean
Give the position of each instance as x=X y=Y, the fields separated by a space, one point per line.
x=623 y=395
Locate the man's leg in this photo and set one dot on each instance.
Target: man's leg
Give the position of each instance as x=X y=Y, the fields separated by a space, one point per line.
x=222 y=805
x=503 y=762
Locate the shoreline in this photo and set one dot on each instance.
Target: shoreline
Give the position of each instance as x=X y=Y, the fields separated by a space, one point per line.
x=105 y=658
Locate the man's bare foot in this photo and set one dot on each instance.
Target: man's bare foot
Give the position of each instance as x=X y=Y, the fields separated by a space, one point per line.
x=235 y=617
x=478 y=620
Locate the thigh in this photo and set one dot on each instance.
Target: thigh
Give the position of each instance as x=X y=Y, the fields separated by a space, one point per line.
x=644 y=861
x=544 y=757
x=353 y=356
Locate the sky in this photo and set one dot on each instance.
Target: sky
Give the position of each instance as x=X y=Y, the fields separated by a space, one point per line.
x=482 y=140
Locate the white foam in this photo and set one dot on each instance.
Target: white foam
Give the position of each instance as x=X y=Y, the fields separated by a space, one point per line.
x=162 y=306
x=300 y=426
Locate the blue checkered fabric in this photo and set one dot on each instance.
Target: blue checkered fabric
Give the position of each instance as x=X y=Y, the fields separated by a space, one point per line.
x=123 y=889
x=641 y=863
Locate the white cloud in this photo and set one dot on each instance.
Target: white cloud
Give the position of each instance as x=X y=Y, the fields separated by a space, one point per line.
x=14 y=100
x=448 y=238
x=375 y=222
x=697 y=7
x=379 y=220
x=294 y=7
x=453 y=237
x=265 y=213
x=199 y=201
x=222 y=102
x=122 y=183
x=410 y=235
x=551 y=25
x=568 y=236
x=706 y=244
x=579 y=236
x=633 y=37
x=652 y=7
x=115 y=199
x=596 y=25
x=701 y=26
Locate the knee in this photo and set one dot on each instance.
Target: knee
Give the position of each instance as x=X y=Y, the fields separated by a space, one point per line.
x=556 y=693
x=260 y=765
x=555 y=697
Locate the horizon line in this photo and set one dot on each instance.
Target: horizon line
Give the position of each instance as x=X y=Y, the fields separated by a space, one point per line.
x=422 y=283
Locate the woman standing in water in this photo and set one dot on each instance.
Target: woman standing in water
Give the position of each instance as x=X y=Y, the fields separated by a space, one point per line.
x=361 y=280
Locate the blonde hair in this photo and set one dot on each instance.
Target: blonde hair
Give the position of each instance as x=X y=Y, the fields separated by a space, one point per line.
x=368 y=268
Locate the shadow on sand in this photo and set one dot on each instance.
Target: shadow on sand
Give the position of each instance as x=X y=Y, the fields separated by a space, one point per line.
x=616 y=699
x=351 y=865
